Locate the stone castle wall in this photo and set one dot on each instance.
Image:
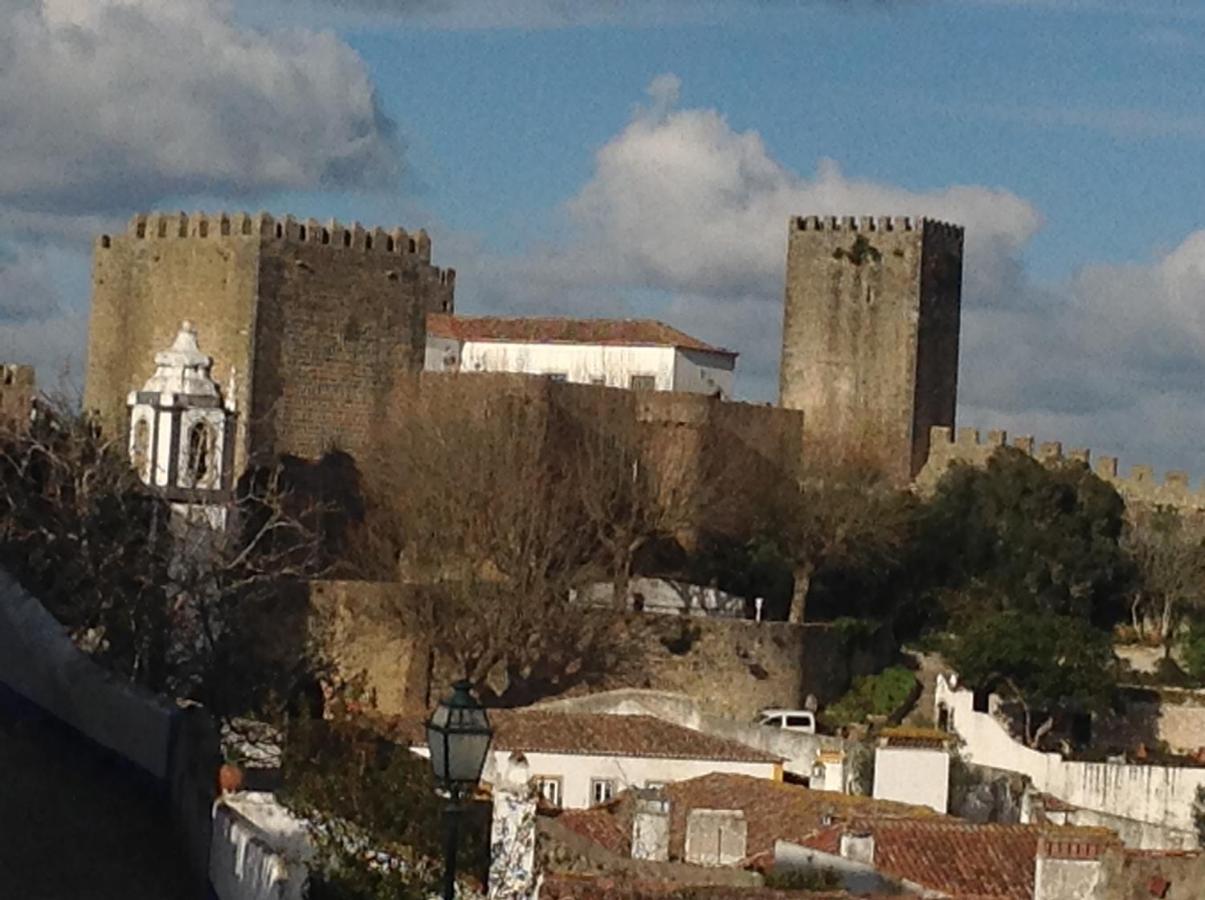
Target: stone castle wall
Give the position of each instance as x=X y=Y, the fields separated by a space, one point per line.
x=870 y=335
x=316 y=322
x=18 y=388
x=1140 y=488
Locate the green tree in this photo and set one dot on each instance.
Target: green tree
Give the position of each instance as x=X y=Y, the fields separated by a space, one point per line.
x=1050 y=664
x=1020 y=535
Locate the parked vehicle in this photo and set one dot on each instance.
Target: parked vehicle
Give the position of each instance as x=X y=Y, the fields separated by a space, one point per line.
x=800 y=720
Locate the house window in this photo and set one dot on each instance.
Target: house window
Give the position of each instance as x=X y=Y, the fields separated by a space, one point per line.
x=549 y=787
x=643 y=382
x=601 y=790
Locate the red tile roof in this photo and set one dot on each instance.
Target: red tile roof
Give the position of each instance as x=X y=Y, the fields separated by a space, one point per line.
x=598 y=733
x=774 y=811
x=619 y=332
x=966 y=859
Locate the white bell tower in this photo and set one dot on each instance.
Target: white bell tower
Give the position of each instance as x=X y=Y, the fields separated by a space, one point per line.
x=181 y=437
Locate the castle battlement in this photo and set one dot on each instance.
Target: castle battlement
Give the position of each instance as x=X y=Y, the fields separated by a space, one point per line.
x=875 y=223
x=1140 y=486
x=200 y=225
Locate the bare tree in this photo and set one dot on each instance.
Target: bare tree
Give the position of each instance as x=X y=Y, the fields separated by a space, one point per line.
x=1171 y=566
x=485 y=502
x=171 y=604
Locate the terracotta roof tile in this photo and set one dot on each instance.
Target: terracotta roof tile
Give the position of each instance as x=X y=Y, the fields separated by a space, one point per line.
x=598 y=733
x=774 y=811
x=556 y=330
x=965 y=859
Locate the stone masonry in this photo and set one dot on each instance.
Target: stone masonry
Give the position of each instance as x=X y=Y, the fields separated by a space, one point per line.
x=313 y=324
x=870 y=335
x=18 y=389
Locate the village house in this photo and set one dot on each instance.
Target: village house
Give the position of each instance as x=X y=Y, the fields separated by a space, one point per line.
x=638 y=354
x=580 y=760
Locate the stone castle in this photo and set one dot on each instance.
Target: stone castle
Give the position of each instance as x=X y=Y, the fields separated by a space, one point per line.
x=310 y=326
x=315 y=329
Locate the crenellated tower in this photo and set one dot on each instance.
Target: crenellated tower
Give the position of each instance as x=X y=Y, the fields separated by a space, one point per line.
x=870 y=335
x=318 y=320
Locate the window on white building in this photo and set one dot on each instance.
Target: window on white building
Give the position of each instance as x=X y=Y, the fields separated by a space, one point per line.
x=549 y=787
x=643 y=382
x=601 y=790
x=200 y=448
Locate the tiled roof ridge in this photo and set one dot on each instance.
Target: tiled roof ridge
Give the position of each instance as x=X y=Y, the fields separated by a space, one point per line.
x=560 y=330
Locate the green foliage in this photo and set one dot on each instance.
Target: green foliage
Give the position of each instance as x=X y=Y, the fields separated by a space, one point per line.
x=372 y=800
x=1194 y=651
x=1049 y=663
x=756 y=567
x=871 y=695
x=803 y=880
x=1020 y=535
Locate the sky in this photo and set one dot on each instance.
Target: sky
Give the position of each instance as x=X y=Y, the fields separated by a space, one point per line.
x=641 y=158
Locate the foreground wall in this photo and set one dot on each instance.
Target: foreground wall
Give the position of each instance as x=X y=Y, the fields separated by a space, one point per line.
x=1158 y=798
x=174 y=749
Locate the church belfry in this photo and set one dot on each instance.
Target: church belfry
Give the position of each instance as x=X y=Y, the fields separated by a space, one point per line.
x=181 y=433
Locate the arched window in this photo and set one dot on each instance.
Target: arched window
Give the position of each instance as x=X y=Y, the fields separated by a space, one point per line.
x=200 y=453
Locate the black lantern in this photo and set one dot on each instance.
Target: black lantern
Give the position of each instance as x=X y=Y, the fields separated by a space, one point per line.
x=458 y=736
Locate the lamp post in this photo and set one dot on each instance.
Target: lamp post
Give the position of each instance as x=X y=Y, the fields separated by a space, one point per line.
x=458 y=736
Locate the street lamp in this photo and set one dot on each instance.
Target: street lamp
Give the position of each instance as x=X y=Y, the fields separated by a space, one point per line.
x=458 y=736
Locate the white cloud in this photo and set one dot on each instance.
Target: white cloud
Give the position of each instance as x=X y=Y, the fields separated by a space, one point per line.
x=685 y=218
x=110 y=104
x=682 y=204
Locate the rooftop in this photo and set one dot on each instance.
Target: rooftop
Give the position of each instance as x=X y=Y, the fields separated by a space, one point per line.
x=774 y=811
x=962 y=858
x=557 y=330
x=599 y=734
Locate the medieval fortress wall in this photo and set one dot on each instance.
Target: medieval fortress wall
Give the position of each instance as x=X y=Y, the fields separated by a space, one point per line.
x=1139 y=489
x=309 y=324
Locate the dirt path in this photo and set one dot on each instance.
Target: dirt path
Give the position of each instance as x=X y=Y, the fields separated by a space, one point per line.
x=74 y=828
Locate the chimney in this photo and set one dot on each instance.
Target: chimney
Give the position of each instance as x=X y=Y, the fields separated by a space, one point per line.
x=650 y=826
x=858 y=846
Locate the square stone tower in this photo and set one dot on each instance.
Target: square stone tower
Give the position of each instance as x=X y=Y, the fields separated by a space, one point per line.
x=870 y=336
x=310 y=326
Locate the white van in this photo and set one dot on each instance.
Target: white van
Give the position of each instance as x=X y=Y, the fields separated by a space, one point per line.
x=800 y=720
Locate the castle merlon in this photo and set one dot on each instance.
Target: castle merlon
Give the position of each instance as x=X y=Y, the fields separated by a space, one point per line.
x=397 y=241
x=1141 y=485
x=874 y=223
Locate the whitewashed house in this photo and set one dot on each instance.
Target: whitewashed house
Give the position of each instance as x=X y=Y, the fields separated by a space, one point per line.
x=639 y=354
x=579 y=760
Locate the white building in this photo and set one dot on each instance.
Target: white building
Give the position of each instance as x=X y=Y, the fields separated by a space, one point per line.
x=912 y=765
x=626 y=353
x=579 y=760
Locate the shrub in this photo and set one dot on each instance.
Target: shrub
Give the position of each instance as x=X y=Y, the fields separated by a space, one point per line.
x=871 y=695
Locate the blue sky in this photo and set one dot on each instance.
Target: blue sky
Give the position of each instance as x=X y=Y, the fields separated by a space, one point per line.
x=641 y=158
